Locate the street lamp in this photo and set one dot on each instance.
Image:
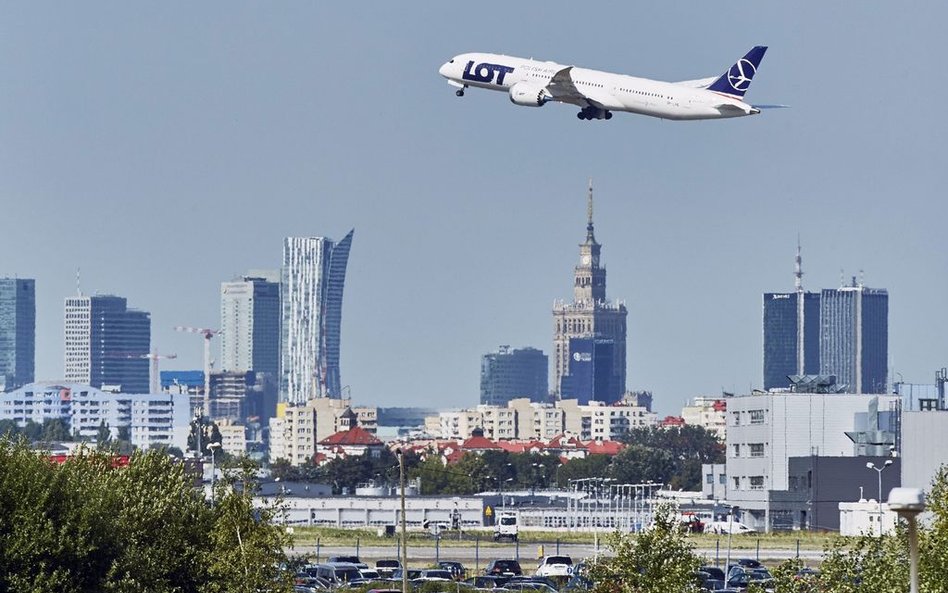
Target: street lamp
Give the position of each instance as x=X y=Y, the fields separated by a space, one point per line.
x=871 y=465
x=908 y=503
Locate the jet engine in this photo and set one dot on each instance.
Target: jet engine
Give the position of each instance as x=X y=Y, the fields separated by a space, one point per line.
x=529 y=95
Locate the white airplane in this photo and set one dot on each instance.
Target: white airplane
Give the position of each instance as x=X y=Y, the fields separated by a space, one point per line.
x=530 y=83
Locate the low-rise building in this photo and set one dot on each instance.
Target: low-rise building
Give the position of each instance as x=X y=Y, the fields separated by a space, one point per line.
x=766 y=430
x=709 y=413
x=296 y=430
x=233 y=437
x=524 y=420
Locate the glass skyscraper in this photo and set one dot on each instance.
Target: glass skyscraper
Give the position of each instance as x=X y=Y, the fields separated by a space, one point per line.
x=509 y=374
x=106 y=343
x=854 y=337
x=250 y=326
x=17 y=332
x=791 y=336
x=312 y=281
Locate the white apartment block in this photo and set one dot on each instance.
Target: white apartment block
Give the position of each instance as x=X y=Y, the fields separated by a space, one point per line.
x=233 y=437
x=151 y=420
x=524 y=420
x=297 y=429
x=709 y=413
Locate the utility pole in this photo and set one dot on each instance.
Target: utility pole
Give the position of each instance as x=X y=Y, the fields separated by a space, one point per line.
x=401 y=479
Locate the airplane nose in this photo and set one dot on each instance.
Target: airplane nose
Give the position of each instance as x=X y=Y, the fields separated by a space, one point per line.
x=443 y=71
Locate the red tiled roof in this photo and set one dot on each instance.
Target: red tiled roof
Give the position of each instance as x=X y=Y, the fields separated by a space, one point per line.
x=355 y=436
x=720 y=405
x=453 y=457
x=673 y=421
x=604 y=447
x=511 y=446
x=479 y=443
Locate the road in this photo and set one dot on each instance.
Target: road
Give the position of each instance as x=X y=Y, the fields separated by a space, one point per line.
x=476 y=556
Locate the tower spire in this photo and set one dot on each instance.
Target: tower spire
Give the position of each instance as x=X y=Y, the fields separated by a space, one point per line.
x=590 y=237
x=798 y=268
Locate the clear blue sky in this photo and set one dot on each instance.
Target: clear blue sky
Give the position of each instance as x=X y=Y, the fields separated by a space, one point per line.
x=164 y=148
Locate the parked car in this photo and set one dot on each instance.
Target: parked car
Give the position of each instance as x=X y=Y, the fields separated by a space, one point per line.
x=456 y=569
x=433 y=574
x=555 y=566
x=528 y=586
x=348 y=560
x=713 y=571
x=336 y=573
x=387 y=567
x=485 y=582
x=503 y=567
x=413 y=573
x=370 y=574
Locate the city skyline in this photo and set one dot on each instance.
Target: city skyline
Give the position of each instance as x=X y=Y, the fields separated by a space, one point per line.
x=161 y=169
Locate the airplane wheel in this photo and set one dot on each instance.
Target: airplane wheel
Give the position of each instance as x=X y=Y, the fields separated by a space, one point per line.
x=581 y=115
x=459 y=92
x=608 y=115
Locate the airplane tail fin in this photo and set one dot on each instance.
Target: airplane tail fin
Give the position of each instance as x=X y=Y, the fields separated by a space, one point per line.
x=737 y=79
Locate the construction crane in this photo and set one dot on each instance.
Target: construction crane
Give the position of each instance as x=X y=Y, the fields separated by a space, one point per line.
x=207 y=334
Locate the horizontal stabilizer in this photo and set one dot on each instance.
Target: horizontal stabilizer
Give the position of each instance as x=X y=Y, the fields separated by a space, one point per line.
x=771 y=106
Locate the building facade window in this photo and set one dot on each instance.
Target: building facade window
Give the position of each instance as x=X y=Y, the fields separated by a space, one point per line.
x=757 y=482
x=756 y=416
x=756 y=449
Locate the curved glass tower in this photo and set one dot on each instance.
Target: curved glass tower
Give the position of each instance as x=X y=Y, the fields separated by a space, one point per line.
x=312 y=280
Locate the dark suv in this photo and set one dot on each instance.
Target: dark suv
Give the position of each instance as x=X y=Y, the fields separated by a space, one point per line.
x=504 y=568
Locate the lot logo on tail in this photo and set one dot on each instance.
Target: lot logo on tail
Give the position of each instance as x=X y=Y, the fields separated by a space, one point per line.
x=741 y=74
x=485 y=72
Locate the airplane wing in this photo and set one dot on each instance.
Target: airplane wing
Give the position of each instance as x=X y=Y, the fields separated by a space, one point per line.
x=562 y=88
x=701 y=83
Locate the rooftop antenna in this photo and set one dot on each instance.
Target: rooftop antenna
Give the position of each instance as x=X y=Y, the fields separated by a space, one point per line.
x=798 y=268
x=862 y=278
x=78 y=284
x=842 y=278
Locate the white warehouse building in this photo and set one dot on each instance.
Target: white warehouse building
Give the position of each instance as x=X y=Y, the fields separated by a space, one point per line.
x=161 y=419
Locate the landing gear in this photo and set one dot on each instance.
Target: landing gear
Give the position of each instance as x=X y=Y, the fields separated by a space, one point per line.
x=459 y=92
x=594 y=113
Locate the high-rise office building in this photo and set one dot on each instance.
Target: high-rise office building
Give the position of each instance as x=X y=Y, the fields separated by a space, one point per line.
x=312 y=281
x=854 y=337
x=509 y=374
x=592 y=375
x=791 y=333
x=250 y=326
x=591 y=317
x=17 y=332
x=106 y=343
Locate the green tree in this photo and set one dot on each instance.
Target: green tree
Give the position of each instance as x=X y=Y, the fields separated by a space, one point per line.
x=55 y=429
x=659 y=560
x=203 y=432
x=85 y=525
x=686 y=447
x=592 y=466
x=9 y=428
x=103 y=435
x=638 y=463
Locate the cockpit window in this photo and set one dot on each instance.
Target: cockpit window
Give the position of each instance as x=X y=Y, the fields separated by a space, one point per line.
x=451 y=62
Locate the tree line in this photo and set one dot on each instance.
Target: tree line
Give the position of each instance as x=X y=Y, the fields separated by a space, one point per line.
x=84 y=526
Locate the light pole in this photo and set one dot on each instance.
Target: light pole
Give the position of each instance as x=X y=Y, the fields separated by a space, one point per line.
x=730 y=530
x=871 y=465
x=401 y=480
x=908 y=503
x=212 y=447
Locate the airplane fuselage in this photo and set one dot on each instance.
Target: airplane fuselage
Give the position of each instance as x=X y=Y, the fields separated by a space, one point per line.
x=605 y=91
